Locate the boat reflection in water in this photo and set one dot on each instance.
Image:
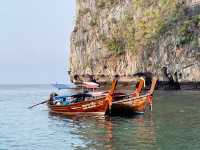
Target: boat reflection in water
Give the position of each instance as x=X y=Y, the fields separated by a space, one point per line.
x=102 y=132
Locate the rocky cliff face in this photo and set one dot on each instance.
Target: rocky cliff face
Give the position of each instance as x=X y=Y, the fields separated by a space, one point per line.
x=127 y=36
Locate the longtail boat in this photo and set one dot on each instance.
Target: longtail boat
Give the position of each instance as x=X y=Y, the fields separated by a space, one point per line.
x=134 y=104
x=139 y=85
x=86 y=105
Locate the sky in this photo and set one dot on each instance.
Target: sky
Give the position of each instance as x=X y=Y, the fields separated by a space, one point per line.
x=34 y=40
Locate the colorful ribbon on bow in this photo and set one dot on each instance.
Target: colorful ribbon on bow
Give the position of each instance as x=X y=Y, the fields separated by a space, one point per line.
x=150 y=100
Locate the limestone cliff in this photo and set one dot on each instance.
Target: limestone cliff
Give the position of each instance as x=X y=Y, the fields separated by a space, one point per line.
x=127 y=36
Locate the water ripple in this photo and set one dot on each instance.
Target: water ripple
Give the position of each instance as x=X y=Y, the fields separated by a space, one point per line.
x=173 y=124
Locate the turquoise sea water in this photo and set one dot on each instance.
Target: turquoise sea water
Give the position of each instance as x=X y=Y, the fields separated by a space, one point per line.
x=174 y=124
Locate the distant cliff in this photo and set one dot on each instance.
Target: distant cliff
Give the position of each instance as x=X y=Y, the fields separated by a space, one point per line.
x=127 y=36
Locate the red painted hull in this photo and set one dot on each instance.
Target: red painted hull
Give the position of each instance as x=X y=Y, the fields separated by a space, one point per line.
x=96 y=106
x=136 y=106
x=99 y=105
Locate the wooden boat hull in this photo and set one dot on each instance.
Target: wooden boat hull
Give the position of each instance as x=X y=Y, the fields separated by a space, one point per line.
x=98 y=107
x=136 y=106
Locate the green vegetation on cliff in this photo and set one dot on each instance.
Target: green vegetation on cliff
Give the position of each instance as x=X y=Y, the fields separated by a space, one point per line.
x=187 y=31
x=142 y=23
x=126 y=36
